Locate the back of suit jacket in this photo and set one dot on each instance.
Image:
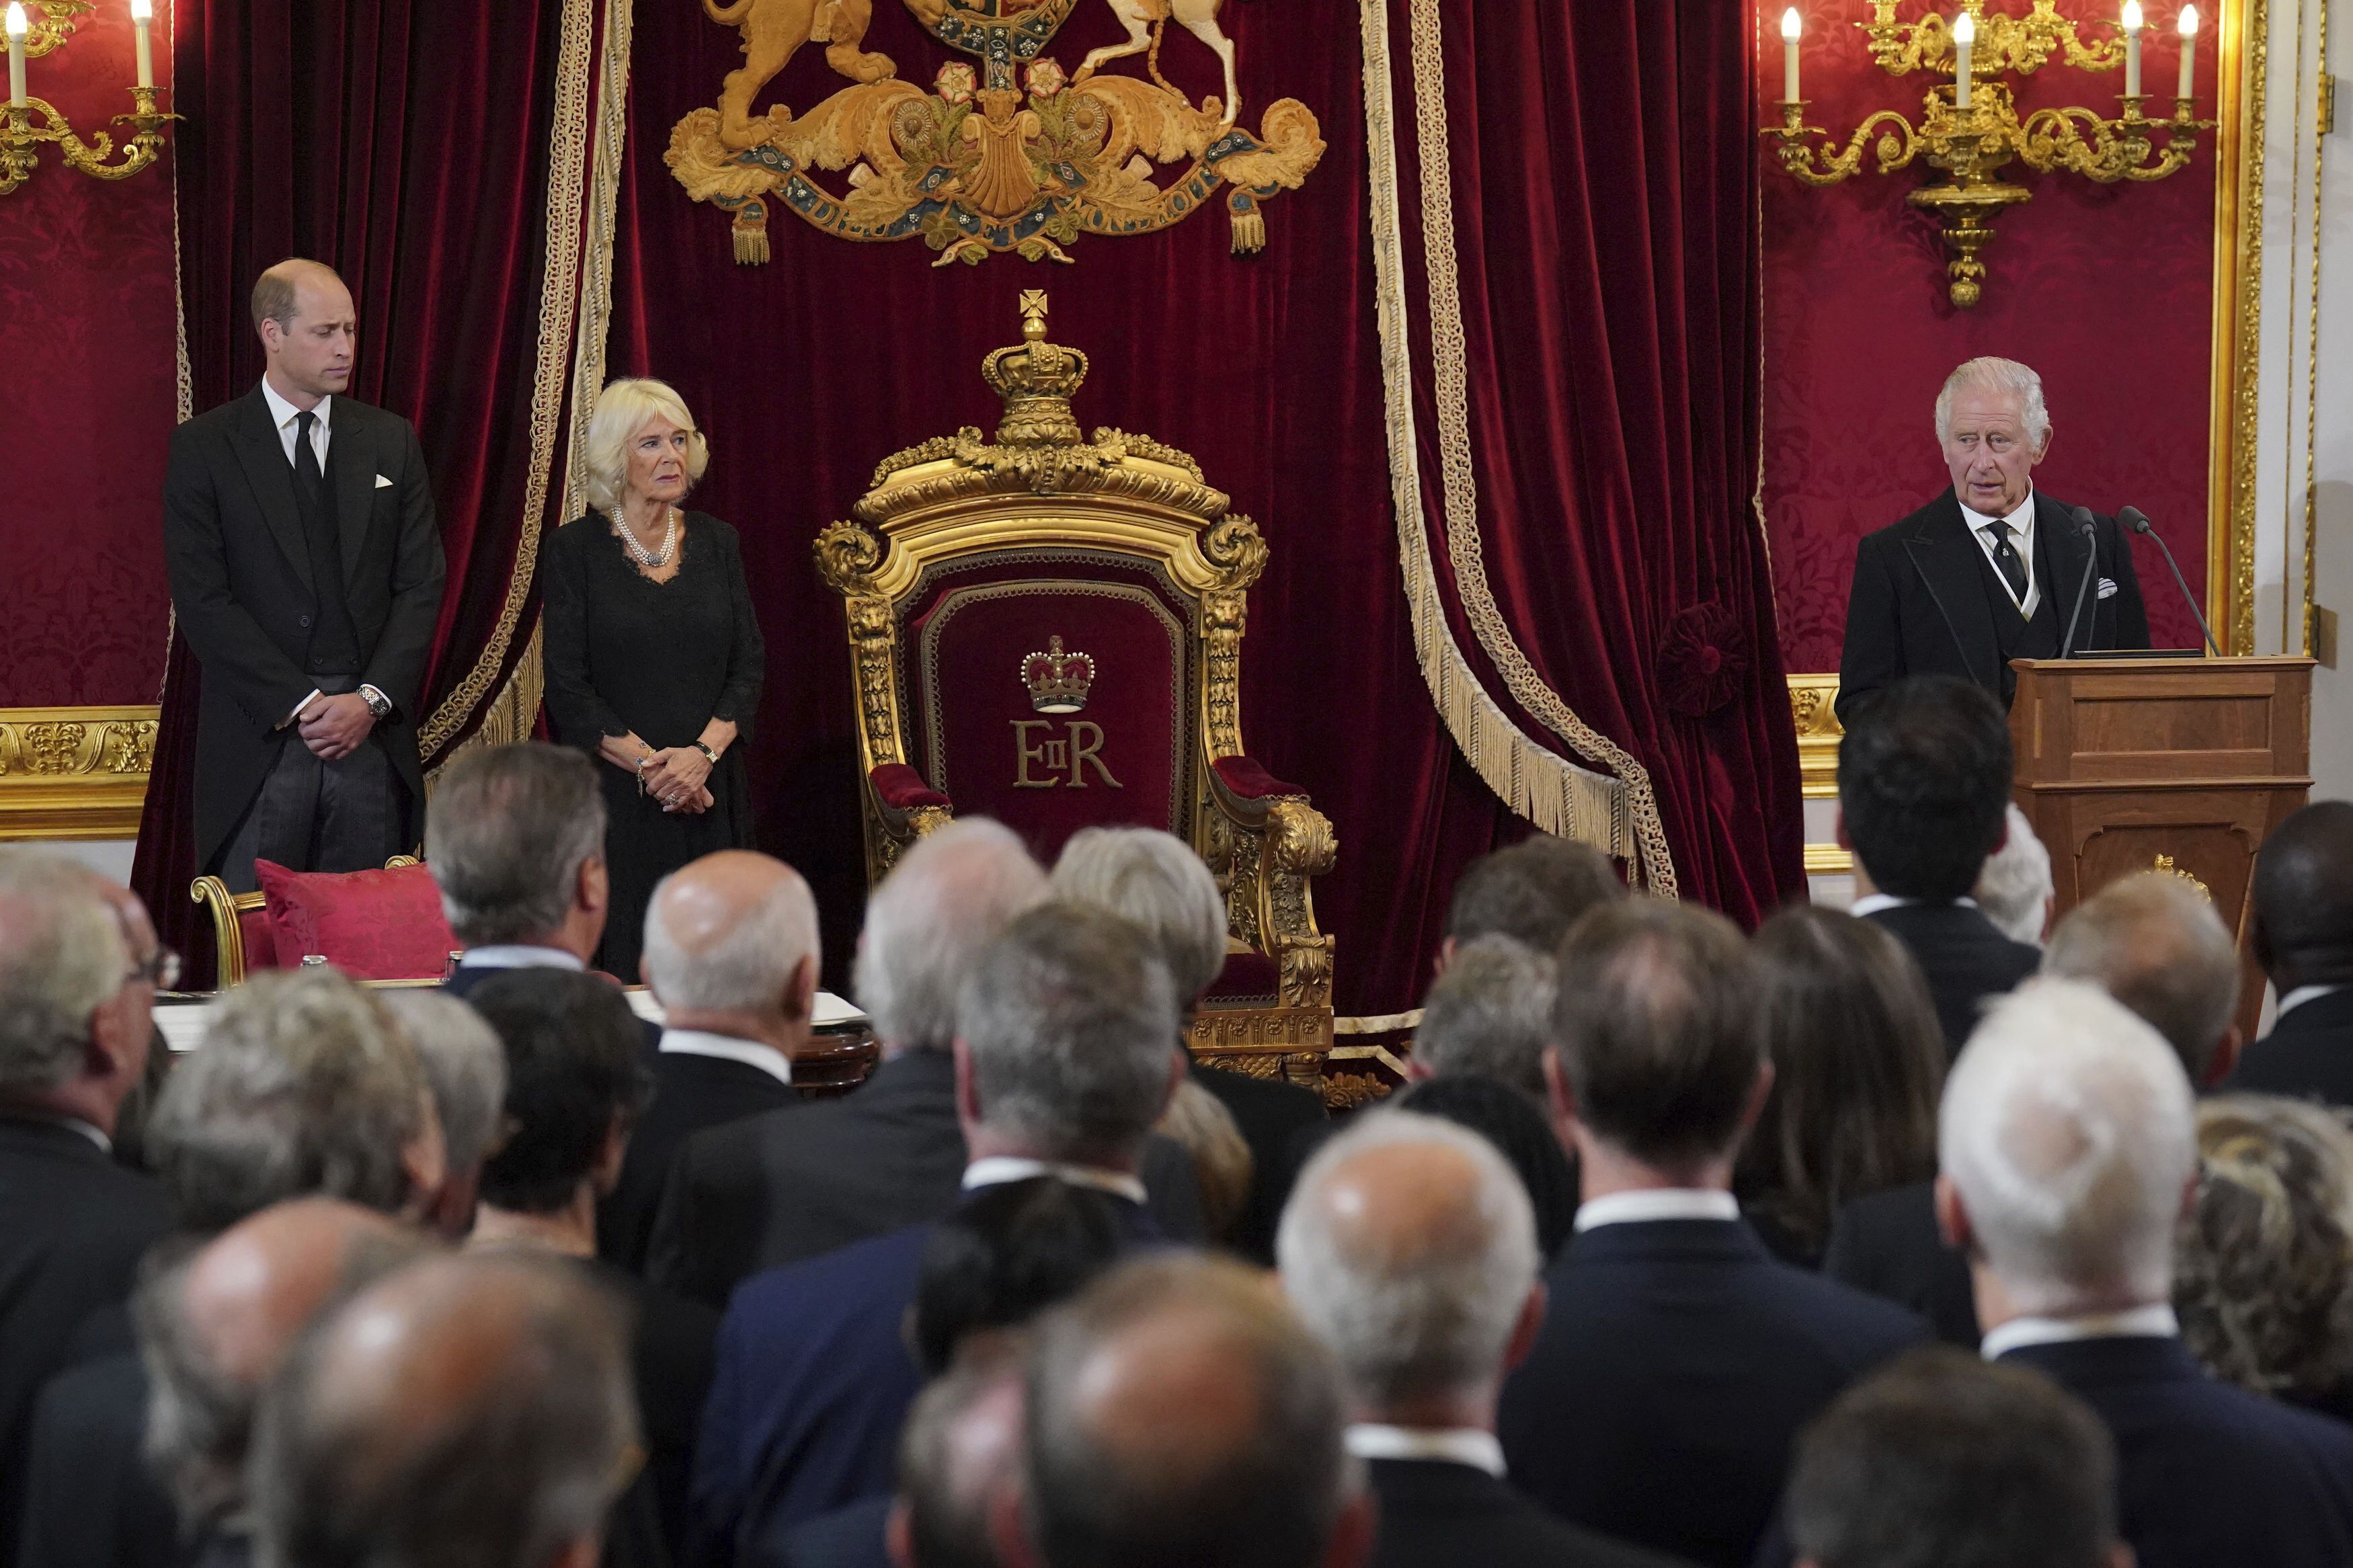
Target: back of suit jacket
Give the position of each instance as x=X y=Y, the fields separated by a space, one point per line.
x=2309 y=1054
x=691 y=1093
x=1887 y=1244
x=1965 y=957
x=1436 y=1515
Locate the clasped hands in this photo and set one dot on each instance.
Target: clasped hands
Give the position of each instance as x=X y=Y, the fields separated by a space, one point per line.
x=677 y=776
x=335 y=727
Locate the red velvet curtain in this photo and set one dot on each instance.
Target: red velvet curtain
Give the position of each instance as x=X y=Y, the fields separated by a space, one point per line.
x=407 y=145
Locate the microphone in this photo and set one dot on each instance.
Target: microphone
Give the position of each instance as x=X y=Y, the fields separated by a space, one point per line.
x=2132 y=517
x=2081 y=517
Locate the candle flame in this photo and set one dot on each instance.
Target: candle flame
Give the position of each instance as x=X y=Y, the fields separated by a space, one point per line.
x=17 y=26
x=1965 y=28
x=2132 y=15
x=2188 y=22
x=142 y=10
x=1790 y=26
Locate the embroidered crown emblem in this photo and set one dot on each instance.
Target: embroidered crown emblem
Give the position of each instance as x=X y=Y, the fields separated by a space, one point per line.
x=1058 y=681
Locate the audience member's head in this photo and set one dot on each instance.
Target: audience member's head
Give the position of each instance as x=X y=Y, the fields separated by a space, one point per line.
x=304 y=1084
x=2014 y=890
x=74 y=1012
x=1008 y=1253
x=303 y=315
x=468 y=1412
x=467 y=1072
x=2264 y=1275
x=1066 y=1039
x=216 y=1321
x=1942 y=1460
x=1409 y=1249
x=1532 y=892
x=1858 y=1058
x=959 y=1454
x=1157 y=883
x=948 y=897
x=1924 y=785
x=2066 y=1144
x=2304 y=898
x=1223 y=1167
x=1520 y=1130
x=574 y=1087
x=516 y=841
x=1659 y=1062
x=1490 y=1013
x=2153 y=941
x=1180 y=1416
x=731 y=947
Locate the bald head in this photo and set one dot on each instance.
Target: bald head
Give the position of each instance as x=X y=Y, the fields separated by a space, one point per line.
x=308 y=329
x=2303 y=898
x=1409 y=1248
x=951 y=895
x=960 y=1452
x=2154 y=943
x=470 y=1409
x=1180 y=1416
x=733 y=933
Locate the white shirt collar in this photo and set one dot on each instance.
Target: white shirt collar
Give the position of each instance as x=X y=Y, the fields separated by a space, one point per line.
x=2021 y=518
x=2299 y=996
x=2153 y=1322
x=998 y=1169
x=1452 y=1445
x=1656 y=1204
x=519 y=955
x=2020 y=521
x=1872 y=903
x=727 y=1048
x=283 y=413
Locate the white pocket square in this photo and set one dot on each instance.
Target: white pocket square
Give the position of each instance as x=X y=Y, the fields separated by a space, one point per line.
x=2107 y=585
x=384 y=484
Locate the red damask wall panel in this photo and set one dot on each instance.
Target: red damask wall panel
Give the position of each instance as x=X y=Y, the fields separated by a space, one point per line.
x=88 y=395
x=2106 y=290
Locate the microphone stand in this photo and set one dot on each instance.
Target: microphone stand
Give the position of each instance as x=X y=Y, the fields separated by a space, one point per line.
x=2132 y=517
x=2083 y=519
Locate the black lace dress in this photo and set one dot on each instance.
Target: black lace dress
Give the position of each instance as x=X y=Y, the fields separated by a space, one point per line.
x=626 y=654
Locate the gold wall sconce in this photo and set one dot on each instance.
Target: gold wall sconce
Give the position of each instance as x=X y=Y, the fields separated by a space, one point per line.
x=1969 y=126
x=26 y=121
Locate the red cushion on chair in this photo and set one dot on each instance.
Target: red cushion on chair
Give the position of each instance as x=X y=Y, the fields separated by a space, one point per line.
x=372 y=925
x=1245 y=777
x=903 y=788
x=260 y=942
x=1247 y=977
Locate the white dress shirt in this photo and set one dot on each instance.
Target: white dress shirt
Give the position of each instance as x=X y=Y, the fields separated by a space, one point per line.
x=519 y=955
x=1872 y=903
x=727 y=1048
x=998 y=1170
x=1452 y=1445
x=1657 y=1204
x=287 y=417
x=2020 y=523
x=2299 y=996
x=2153 y=1322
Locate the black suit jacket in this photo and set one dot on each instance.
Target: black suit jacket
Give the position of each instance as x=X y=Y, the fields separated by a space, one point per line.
x=2309 y=1054
x=1677 y=1362
x=2210 y=1476
x=1887 y=1244
x=1270 y=1115
x=1918 y=604
x=241 y=585
x=691 y=1093
x=1438 y=1514
x=1965 y=957
x=852 y=1537
x=90 y=1499
x=73 y=1225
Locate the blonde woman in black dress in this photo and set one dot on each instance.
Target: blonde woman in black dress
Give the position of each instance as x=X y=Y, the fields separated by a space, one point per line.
x=654 y=658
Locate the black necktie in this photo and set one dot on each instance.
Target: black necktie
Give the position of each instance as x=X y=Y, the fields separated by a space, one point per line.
x=309 y=484
x=2005 y=556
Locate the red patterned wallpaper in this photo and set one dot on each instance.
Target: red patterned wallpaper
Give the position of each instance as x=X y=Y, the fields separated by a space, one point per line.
x=2106 y=290
x=88 y=394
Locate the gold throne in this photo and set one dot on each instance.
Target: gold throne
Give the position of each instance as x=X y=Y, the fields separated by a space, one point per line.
x=1047 y=629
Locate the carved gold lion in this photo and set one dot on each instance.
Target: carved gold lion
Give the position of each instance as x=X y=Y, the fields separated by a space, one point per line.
x=773 y=31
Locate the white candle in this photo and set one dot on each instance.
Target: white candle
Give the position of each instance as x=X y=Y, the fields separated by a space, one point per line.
x=16 y=30
x=1790 y=27
x=2189 y=25
x=141 y=12
x=1964 y=35
x=2132 y=48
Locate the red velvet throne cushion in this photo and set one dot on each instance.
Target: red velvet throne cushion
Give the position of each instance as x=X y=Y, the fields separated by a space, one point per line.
x=372 y=925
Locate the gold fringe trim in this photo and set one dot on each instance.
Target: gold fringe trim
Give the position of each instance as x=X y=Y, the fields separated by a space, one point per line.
x=1616 y=812
x=596 y=293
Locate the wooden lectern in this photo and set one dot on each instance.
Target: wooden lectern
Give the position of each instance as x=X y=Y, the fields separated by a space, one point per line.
x=2171 y=765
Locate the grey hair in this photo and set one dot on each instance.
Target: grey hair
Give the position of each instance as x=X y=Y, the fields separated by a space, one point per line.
x=1491 y=1014
x=624 y=409
x=1072 y=1024
x=2068 y=1129
x=510 y=828
x=1412 y=1314
x=2014 y=889
x=1155 y=879
x=303 y=1084
x=949 y=895
x=1990 y=374
x=2154 y=941
x=464 y=1065
x=62 y=958
x=748 y=966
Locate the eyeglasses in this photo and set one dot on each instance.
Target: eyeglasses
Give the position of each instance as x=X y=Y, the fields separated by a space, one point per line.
x=160 y=969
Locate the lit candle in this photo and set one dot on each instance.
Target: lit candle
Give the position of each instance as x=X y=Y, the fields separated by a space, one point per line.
x=1790 y=27
x=1964 y=34
x=141 y=12
x=2132 y=48
x=2189 y=25
x=17 y=28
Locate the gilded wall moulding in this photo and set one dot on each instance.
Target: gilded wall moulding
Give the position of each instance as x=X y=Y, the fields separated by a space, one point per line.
x=1014 y=157
x=74 y=773
x=1813 y=707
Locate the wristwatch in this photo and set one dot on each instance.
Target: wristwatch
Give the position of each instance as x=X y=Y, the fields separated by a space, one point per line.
x=378 y=704
x=708 y=755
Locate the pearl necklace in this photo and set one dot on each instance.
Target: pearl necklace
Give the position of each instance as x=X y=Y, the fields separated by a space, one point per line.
x=651 y=560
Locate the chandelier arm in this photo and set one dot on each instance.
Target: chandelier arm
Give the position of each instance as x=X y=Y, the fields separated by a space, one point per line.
x=1813 y=165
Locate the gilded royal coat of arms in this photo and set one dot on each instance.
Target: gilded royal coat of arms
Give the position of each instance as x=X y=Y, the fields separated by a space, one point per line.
x=1006 y=154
